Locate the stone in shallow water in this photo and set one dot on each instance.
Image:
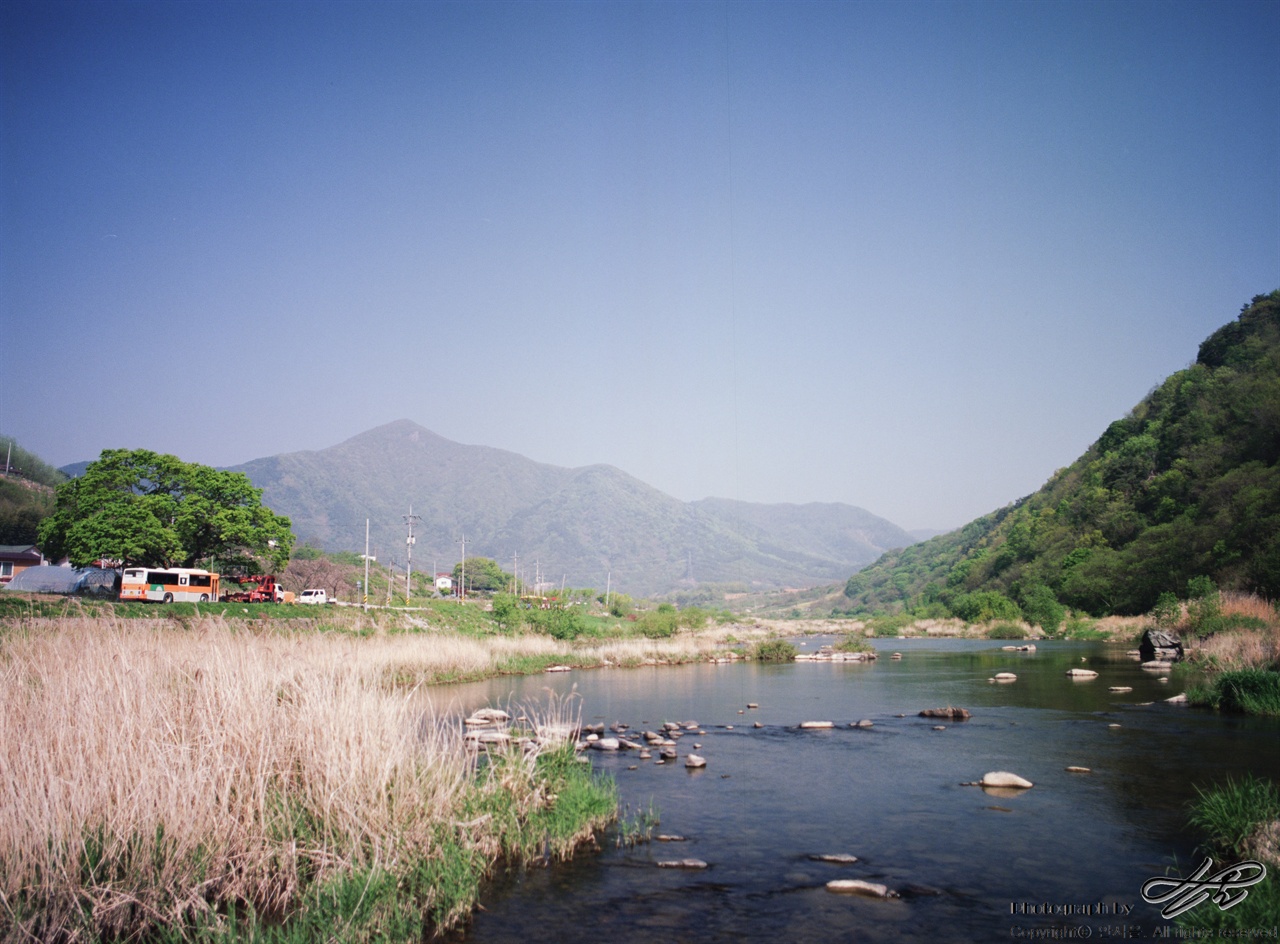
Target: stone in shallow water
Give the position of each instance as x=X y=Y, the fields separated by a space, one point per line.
x=817 y=724
x=854 y=886
x=955 y=714
x=1003 y=778
x=682 y=864
x=839 y=858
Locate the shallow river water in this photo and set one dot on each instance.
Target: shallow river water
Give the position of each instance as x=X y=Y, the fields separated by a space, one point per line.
x=970 y=865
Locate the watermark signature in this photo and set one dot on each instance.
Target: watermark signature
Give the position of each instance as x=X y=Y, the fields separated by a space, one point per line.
x=1228 y=887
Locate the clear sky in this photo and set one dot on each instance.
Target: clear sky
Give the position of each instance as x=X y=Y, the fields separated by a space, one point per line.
x=909 y=256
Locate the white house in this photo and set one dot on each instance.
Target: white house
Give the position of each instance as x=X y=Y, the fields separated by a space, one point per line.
x=444 y=583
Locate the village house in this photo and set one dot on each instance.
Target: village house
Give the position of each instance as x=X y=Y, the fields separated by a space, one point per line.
x=15 y=558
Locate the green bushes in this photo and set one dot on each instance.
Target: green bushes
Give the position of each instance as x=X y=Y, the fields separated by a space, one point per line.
x=774 y=650
x=983 y=605
x=853 y=644
x=1041 y=608
x=559 y=622
x=1006 y=631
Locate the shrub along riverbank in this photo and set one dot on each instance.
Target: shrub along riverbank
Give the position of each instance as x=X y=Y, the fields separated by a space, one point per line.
x=210 y=780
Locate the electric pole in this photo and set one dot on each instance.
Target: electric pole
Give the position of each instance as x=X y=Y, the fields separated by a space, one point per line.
x=462 y=589
x=410 y=518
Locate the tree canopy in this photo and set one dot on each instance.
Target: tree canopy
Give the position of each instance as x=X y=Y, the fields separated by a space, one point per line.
x=148 y=509
x=483 y=573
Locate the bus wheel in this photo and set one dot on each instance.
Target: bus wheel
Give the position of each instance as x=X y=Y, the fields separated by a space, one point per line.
x=168 y=598
x=204 y=598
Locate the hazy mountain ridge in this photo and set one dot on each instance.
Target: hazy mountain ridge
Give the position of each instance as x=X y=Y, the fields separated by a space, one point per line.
x=587 y=526
x=1187 y=484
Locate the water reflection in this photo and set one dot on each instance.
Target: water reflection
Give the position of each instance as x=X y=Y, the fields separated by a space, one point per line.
x=892 y=794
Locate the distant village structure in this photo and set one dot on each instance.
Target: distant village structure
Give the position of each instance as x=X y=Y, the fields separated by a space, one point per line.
x=15 y=558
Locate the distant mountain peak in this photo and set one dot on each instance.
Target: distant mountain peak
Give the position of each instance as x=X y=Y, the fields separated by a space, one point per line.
x=590 y=525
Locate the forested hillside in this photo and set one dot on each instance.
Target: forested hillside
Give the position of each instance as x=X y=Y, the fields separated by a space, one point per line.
x=1186 y=485
x=26 y=492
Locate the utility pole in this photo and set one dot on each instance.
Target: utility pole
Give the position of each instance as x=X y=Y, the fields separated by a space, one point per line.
x=410 y=518
x=515 y=574
x=462 y=589
x=608 y=582
x=366 y=565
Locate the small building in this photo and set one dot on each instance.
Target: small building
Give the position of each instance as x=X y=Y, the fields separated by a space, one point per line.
x=15 y=558
x=444 y=583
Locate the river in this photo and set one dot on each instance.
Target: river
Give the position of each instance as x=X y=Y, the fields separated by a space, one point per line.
x=970 y=865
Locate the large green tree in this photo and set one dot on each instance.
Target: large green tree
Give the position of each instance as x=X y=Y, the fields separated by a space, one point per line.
x=149 y=509
x=483 y=573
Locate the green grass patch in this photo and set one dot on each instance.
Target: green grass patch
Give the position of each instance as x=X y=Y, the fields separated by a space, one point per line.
x=1244 y=691
x=1230 y=814
x=894 y=624
x=1078 y=628
x=853 y=644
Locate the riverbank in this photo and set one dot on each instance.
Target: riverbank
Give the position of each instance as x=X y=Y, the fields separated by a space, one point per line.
x=204 y=781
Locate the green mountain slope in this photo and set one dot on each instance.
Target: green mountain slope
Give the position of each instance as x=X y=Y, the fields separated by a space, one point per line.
x=26 y=492
x=588 y=526
x=1186 y=484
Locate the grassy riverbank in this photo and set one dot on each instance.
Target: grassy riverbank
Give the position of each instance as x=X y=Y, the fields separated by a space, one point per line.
x=207 y=779
x=1241 y=662
x=1242 y=821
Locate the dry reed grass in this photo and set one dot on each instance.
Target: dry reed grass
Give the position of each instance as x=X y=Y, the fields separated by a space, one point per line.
x=1250 y=605
x=1242 y=649
x=150 y=774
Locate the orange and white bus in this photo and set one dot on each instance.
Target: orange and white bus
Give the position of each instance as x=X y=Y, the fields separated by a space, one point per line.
x=174 y=584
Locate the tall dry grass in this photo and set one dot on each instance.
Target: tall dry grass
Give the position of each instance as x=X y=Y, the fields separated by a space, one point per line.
x=1249 y=639
x=1248 y=605
x=150 y=774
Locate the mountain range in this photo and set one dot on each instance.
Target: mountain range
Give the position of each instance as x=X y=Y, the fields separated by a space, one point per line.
x=594 y=526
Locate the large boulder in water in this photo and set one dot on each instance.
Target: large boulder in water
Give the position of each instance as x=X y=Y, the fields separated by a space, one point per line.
x=1159 y=644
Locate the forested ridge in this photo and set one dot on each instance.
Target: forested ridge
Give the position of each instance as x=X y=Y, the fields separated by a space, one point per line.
x=1186 y=485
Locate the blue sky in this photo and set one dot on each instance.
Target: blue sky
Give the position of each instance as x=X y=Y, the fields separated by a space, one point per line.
x=909 y=256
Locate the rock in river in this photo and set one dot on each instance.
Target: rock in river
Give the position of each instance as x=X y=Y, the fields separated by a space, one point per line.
x=955 y=714
x=695 y=760
x=1082 y=673
x=1002 y=778
x=854 y=886
x=817 y=724
x=682 y=864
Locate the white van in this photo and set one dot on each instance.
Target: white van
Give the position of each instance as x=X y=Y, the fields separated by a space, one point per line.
x=313 y=596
